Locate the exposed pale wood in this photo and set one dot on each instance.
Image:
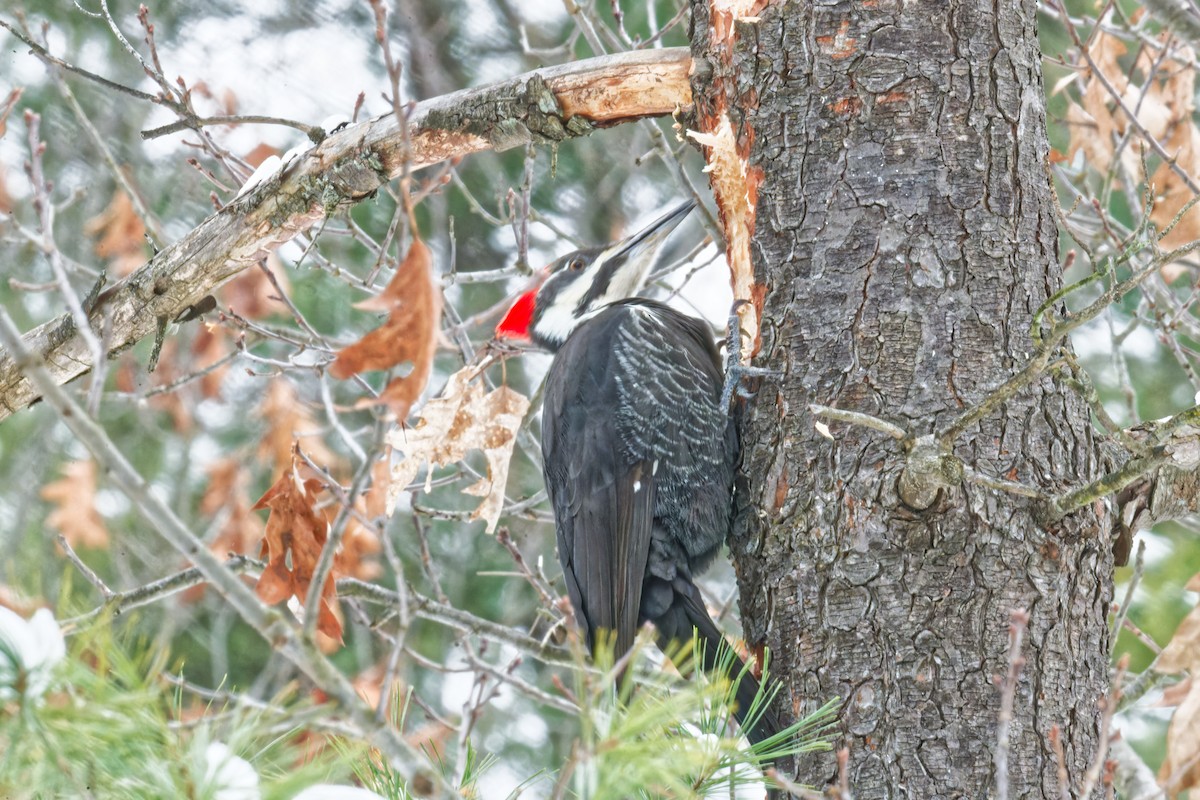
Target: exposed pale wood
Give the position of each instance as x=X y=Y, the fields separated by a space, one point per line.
x=544 y=106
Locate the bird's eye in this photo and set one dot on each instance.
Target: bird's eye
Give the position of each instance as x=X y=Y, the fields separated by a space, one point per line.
x=575 y=265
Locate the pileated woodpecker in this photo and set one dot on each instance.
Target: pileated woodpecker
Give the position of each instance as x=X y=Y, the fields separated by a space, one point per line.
x=639 y=455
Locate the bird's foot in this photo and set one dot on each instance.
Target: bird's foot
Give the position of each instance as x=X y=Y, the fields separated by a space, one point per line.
x=734 y=375
x=735 y=371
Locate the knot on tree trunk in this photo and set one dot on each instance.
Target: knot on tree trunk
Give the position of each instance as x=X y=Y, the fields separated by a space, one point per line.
x=928 y=469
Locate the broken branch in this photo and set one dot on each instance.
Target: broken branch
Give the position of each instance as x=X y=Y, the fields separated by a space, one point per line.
x=539 y=107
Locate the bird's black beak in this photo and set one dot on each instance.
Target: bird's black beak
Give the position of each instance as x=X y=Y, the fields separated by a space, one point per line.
x=621 y=268
x=646 y=241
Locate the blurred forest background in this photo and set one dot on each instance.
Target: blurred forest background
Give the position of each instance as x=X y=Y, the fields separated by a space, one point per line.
x=212 y=428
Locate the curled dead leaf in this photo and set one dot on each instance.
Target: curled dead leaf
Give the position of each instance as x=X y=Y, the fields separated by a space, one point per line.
x=463 y=418
x=226 y=499
x=1182 y=653
x=295 y=534
x=414 y=307
x=252 y=295
x=120 y=235
x=74 y=499
x=1181 y=767
x=288 y=421
x=1160 y=91
x=226 y=493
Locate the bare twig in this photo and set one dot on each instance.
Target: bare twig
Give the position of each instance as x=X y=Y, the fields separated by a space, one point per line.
x=1139 y=565
x=1118 y=99
x=1133 y=778
x=1018 y=623
x=119 y=602
x=45 y=210
x=445 y=614
x=857 y=418
x=84 y=570
x=192 y=122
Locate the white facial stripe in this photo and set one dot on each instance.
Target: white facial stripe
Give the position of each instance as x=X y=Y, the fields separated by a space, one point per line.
x=558 y=321
x=629 y=278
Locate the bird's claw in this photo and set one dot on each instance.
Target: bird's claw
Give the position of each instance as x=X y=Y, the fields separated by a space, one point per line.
x=735 y=371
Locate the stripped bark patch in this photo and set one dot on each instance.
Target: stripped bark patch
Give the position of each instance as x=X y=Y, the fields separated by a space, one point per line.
x=846 y=106
x=733 y=186
x=726 y=13
x=840 y=45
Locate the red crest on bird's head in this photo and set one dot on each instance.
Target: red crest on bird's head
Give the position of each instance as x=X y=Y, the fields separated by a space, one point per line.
x=515 y=324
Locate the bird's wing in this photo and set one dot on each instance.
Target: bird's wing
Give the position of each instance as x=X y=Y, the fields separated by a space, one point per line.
x=669 y=377
x=603 y=499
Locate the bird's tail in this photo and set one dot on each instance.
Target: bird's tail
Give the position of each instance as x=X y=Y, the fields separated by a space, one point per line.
x=757 y=720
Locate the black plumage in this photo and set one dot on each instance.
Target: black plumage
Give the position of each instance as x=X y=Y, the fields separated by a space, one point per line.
x=639 y=461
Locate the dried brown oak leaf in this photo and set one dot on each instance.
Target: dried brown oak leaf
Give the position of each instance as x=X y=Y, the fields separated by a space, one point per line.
x=226 y=495
x=120 y=235
x=288 y=420
x=296 y=528
x=74 y=499
x=226 y=499
x=1181 y=768
x=1160 y=91
x=361 y=544
x=463 y=418
x=414 y=308
x=253 y=294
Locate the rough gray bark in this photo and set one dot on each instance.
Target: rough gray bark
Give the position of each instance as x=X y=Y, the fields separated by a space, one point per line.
x=905 y=233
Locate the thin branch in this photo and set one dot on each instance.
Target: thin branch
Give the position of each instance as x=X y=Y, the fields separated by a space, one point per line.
x=119 y=602
x=1133 y=779
x=856 y=418
x=1002 y=485
x=448 y=615
x=333 y=541
x=191 y=122
x=1139 y=567
x=1050 y=342
x=1173 y=443
x=1018 y=624
x=45 y=211
x=1118 y=99
x=87 y=572
x=45 y=55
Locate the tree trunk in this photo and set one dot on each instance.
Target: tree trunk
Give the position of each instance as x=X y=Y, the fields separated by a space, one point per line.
x=905 y=233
